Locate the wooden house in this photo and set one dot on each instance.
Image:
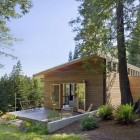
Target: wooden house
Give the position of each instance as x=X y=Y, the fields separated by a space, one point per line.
x=81 y=82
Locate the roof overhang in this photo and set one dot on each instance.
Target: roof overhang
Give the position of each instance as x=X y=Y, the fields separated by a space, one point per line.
x=65 y=66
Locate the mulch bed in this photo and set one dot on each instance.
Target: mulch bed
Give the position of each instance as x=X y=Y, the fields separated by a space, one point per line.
x=108 y=130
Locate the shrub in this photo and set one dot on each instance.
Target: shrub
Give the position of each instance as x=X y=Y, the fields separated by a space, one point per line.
x=1 y=112
x=125 y=114
x=9 y=117
x=89 y=123
x=36 y=128
x=106 y=112
x=53 y=115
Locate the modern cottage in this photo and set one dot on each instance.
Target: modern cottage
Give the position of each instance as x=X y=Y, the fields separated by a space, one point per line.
x=81 y=82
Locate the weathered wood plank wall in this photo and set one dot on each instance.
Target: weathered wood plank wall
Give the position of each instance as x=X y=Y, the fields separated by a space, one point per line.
x=94 y=85
x=135 y=87
x=113 y=94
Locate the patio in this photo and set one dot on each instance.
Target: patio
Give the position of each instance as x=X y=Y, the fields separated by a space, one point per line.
x=38 y=114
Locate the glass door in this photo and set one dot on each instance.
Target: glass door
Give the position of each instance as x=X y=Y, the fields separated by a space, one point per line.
x=81 y=97
x=56 y=100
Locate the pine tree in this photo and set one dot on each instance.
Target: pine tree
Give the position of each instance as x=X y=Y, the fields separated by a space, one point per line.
x=105 y=25
x=70 y=56
x=134 y=44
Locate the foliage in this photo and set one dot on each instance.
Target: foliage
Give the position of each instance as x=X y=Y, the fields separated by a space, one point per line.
x=6 y=40
x=104 y=27
x=125 y=114
x=9 y=131
x=1 y=112
x=133 y=46
x=36 y=128
x=70 y=56
x=89 y=123
x=25 y=88
x=106 y=112
x=53 y=115
x=10 y=9
x=9 y=117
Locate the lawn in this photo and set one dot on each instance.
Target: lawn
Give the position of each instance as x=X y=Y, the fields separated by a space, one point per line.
x=8 y=131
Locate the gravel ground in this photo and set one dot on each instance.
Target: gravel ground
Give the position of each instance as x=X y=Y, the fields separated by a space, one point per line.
x=107 y=130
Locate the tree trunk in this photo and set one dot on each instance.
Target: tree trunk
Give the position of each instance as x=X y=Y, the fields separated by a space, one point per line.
x=126 y=96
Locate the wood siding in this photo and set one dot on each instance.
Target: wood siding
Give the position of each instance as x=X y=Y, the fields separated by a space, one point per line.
x=94 y=85
x=113 y=94
x=135 y=87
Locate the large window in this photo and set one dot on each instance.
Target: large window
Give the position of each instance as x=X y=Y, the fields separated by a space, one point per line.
x=56 y=96
x=74 y=93
x=68 y=92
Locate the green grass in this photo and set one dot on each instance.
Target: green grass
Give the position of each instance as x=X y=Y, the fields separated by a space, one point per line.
x=8 y=131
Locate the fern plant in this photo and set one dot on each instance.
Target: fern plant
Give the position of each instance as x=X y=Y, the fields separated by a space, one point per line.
x=106 y=112
x=125 y=114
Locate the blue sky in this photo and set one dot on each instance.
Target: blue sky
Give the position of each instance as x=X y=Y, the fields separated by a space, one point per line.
x=47 y=37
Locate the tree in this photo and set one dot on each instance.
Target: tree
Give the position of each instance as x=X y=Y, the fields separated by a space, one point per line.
x=70 y=56
x=76 y=52
x=8 y=11
x=104 y=26
x=133 y=47
x=20 y=87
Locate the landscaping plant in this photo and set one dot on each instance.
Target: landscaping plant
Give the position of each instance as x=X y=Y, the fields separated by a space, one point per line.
x=125 y=114
x=53 y=115
x=10 y=131
x=1 y=112
x=36 y=128
x=9 y=117
x=106 y=112
x=89 y=123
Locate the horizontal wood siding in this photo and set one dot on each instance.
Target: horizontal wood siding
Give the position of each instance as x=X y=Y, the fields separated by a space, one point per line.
x=135 y=87
x=113 y=94
x=94 y=85
x=47 y=101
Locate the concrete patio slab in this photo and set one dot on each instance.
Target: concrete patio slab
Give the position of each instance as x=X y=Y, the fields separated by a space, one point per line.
x=39 y=114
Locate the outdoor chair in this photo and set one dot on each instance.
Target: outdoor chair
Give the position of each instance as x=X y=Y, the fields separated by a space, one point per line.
x=34 y=104
x=90 y=107
x=25 y=105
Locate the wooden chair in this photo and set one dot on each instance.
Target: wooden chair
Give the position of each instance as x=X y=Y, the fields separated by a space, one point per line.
x=90 y=107
x=25 y=105
x=34 y=104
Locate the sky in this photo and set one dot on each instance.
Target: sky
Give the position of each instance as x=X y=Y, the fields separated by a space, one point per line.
x=46 y=36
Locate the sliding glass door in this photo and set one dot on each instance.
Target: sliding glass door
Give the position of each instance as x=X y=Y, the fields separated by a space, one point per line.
x=56 y=100
x=81 y=97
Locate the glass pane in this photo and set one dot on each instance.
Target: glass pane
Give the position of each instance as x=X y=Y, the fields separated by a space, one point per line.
x=81 y=96
x=55 y=95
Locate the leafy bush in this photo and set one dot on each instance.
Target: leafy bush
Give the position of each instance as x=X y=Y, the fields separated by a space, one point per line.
x=1 y=112
x=53 y=115
x=89 y=123
x=36 y=128
x=9 y=117
x=8 y=131
x=106 y=112
x=125 y=114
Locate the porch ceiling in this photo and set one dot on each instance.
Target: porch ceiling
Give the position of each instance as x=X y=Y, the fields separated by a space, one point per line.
x=64 y=67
